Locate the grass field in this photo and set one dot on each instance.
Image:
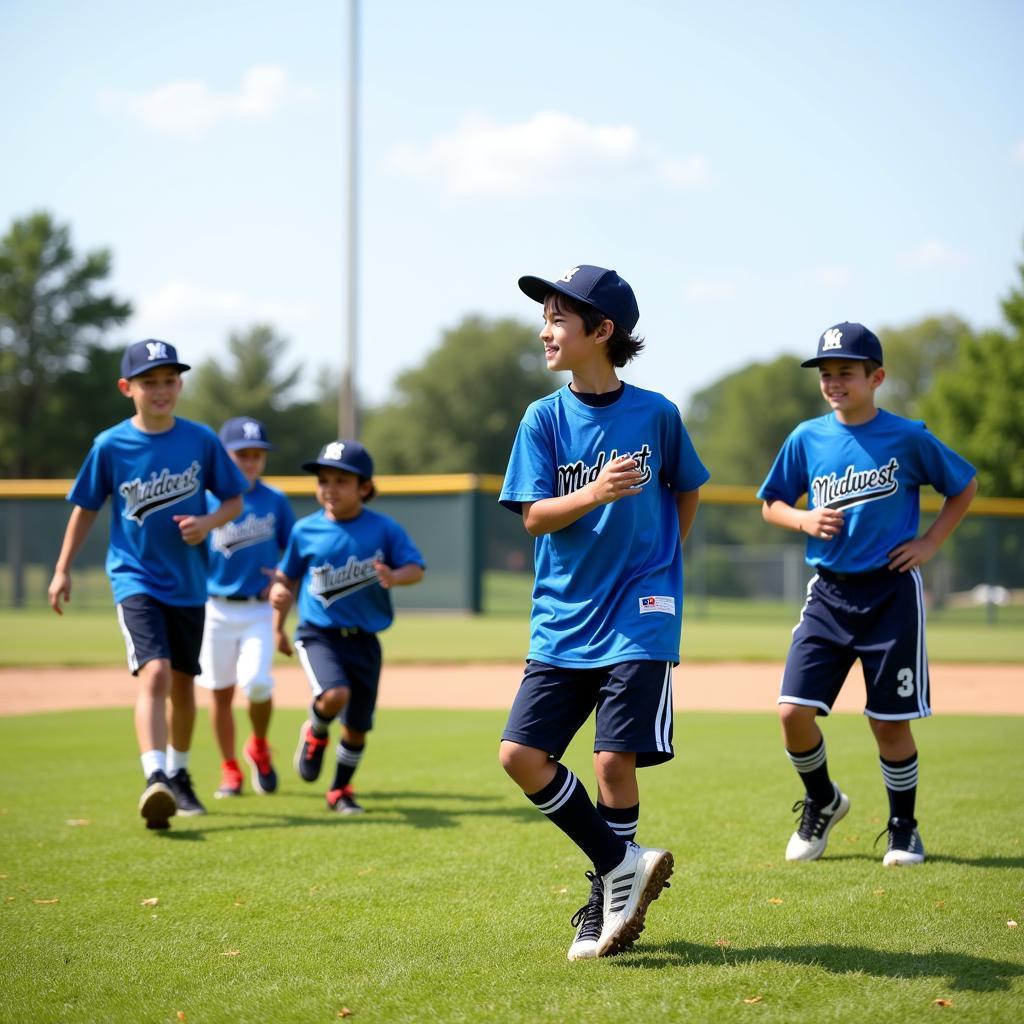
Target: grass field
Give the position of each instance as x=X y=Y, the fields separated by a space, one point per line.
x=450 y=900
x=713 y=631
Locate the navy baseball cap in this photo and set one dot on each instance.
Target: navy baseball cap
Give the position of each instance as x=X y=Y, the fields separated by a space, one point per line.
x=603 y=289
x=847 y=341
x=244 y=432
x=147 y=355
x=348 y=455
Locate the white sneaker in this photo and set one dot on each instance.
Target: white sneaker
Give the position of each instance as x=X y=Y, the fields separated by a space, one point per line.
x=905 y=848
x=808 y=842
x=628 y=891
x=588 y=921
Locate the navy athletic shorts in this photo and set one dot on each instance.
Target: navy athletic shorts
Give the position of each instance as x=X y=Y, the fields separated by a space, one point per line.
x=875 y=616
x=153 y=629
x=342 y=657
x=633 y=703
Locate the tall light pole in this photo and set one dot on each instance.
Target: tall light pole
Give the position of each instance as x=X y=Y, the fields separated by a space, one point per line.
x=348 y=412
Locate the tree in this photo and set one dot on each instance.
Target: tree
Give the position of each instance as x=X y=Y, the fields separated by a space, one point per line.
x=914 y=356
x=459 y=411
x=52 y=315
x=255 y=382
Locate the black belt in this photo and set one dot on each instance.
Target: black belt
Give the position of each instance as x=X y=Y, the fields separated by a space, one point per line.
x=350 y=631
x=872 y=574
x=239 y=597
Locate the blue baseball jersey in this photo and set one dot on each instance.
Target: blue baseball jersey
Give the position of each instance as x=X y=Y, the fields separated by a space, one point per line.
x=873 y=472
x=334 y=563
x=609 y=587
x=150 y=478
x=239 y=551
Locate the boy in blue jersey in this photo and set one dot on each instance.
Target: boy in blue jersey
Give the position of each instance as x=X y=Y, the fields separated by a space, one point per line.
x=607 y=480
x=343 y=562
x=238 y=641
x=155 y=469
x=862 y=469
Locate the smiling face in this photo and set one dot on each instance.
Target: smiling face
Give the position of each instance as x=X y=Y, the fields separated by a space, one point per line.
x=155 y=394
x=251 y=461
x=340 y=493
x=567 y=345
x=849 y=389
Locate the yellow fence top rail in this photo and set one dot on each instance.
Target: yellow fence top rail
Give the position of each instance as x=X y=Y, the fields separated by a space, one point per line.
x=460 y=483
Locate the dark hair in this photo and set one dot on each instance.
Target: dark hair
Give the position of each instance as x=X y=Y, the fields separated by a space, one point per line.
x=870 y=366
x=362 y=480
x=621 y=347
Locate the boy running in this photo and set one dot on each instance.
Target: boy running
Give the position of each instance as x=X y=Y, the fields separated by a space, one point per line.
x=862 y=469
x=343 y=561
x=238 y=643
x=155 y=469
x=607 y=480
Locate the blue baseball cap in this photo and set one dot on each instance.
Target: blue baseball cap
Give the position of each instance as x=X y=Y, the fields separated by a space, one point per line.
x=348 y=455
x=847 y=341
x=147 y=355
x=243 y=432
x=603 y=289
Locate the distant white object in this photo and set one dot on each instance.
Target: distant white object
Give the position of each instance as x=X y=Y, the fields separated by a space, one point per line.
x=985 y=594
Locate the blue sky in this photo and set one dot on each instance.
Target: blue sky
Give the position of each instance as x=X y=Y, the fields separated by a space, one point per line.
x=756 y=171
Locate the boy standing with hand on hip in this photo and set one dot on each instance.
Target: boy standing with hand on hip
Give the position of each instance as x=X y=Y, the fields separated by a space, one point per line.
x=862 y=469
x=155 y=469
x=605 y=477
x=238 y=642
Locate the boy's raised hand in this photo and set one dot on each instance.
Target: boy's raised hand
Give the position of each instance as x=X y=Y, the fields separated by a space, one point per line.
x=618 y=479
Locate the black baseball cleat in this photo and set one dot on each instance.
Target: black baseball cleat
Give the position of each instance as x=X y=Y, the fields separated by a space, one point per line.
x=184 y=795
x=309 y=755
x=157 y=804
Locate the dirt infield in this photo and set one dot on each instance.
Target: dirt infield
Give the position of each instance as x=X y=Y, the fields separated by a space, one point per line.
x=723 y=686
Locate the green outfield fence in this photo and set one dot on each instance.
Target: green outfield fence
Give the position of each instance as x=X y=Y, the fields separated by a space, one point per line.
x=467 y=539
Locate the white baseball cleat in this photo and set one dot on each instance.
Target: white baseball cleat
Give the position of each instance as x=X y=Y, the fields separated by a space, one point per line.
x=808 y=842
x=588 y=921
x=628 y=891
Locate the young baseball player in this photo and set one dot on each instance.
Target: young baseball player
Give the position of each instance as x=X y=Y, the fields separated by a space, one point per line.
x=607 y=480
x=238 y=642
x=862 y=469
x=343 y=561
x=155 y=468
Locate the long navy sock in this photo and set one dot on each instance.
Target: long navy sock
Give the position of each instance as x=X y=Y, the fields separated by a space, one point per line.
x=348 y=761
x=567 y=805
x=812 y=767
x=623 y=821
x=900 y=779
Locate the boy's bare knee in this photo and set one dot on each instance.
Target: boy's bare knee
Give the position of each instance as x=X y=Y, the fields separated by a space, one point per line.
x=613 y=766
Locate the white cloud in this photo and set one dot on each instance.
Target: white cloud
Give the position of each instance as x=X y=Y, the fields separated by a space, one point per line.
x=832 y=277
x=541 y=156
x=189 y=108
x=1018 y=152
x=709 y=290
x=181 y=310
x=933 y=254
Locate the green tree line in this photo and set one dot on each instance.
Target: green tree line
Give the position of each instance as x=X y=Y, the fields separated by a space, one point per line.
x=458 y=411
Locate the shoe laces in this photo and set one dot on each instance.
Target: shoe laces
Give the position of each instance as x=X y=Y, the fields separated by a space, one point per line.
x=260 y=751
x=900 y=832
x=591 y=914
x=313 y=743
x=812 y=820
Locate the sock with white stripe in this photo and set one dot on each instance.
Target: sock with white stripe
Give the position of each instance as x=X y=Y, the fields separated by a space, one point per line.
x=567 y=805
x=623 y=821
x=812 y=767
x=348 y=761
x=900 y=779
x=321 y=726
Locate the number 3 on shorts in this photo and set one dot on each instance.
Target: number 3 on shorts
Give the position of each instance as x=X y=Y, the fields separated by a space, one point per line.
x=906 y=678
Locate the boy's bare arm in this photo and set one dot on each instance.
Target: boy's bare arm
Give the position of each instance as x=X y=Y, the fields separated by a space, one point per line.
x=79 y=524
x=618 y=479
x=919 y=550
x=194 y=529
x=403 y=576
x=282 y=594
x=823 y=523
x=687 y=503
